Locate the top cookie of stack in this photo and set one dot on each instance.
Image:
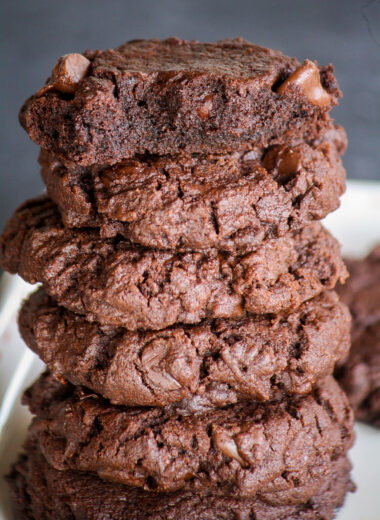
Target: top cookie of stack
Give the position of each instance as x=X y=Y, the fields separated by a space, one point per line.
x=166 y=97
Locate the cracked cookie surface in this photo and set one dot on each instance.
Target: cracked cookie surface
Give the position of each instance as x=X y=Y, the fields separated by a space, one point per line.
x=248 y=448
x=40 y=492
x=112 y=282
x=230 y=202
x=212 y=364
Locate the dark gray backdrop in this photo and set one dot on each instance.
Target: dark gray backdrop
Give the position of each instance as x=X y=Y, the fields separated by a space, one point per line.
x=34 y=33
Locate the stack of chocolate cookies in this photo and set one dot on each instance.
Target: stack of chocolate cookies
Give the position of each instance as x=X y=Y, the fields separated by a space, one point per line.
x=187 y=313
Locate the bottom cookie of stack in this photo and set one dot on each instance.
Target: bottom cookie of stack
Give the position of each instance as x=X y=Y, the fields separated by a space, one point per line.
x=41 y=492
x=88 y=459
x=247 y=449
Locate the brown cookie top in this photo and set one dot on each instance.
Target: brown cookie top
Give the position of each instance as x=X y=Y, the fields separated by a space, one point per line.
x=232 y=202
x=244 y=448
x=112 y=282
x=211 y=364
x=360 y=374
x=40 y=492
x=165 y=96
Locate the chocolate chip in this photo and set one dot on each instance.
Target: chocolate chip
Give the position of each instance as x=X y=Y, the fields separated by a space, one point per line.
x=154 y=363
x=288 y=164
x=283 y=163
x=307 y=78
x=68 y=72
x=205 y=108
x=226 y=444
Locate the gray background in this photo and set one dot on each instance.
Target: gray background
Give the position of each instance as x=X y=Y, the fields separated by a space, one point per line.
x=34 y=33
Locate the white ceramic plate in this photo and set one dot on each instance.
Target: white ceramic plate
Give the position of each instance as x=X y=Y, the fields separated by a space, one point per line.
x=356 y=225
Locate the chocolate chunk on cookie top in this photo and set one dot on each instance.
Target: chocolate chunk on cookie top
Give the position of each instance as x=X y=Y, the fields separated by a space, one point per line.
x=212 y=364
x=248 y=449
x=112 y=282
x=166 y=96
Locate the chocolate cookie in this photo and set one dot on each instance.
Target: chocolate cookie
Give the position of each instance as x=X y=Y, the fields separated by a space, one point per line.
x=246 y=448
x=211 y=364
x=162 y=97
x=112 y=282
x=361 y=292
x=360 y=374
x=40 y=492
x=231 y=202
